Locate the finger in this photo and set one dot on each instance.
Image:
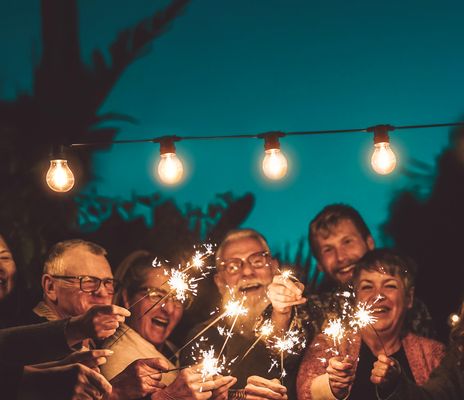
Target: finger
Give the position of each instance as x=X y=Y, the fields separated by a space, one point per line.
x=99 y=382
x=273 y=384
x=339 y=365
x=265 y=392
x=225 y=387
x=340 y=379
x=341 y=374
x=293 y=287
x=157 y=364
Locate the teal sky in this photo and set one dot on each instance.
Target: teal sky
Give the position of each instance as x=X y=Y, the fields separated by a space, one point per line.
x=250 y=66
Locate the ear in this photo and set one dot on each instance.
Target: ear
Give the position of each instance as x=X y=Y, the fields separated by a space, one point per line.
x=370 y=242
x=49 y=287
x=220 y=284
x=410 y=298
x=124 y=298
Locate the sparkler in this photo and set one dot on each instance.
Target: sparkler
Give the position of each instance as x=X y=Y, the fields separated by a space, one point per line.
x=363 y=317
x=264 y=331
x=233 y=308
x=286 y=344
x=336 y=331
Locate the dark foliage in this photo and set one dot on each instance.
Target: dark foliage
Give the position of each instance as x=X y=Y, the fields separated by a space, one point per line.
x=430 y=230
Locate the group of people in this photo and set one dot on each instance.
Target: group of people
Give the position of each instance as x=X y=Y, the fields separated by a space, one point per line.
x=97 y=335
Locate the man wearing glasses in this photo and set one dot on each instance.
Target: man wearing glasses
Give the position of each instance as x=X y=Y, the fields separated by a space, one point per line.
x=244 y=269
x=76 y=278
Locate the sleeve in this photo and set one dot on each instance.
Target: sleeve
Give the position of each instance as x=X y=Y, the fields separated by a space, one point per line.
x=446 y=383
x=32 y=344
x=312 y=381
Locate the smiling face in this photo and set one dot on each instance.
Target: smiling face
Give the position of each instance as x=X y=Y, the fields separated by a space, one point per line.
x=160 y=321
x=7 y=270
x=339 y=248
x=66 y=296
x=245 y=269
x=389 y=297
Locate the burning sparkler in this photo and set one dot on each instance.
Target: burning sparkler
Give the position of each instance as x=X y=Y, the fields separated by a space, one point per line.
x=336 y=331
x=286 y=344
x=363 y=317
x=264 y=331
x=233 y=308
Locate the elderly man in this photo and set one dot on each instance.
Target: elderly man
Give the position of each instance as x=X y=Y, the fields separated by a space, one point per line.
x=338 y=238
x=245 y=268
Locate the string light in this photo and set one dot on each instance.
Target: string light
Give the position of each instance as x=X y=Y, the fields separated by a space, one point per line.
x=170 y=168
x=274 y=162
x=59 y=176
x=383 y=159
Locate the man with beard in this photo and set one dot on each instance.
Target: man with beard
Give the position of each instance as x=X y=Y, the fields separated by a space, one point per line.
x=338 y=238
x=245 y=268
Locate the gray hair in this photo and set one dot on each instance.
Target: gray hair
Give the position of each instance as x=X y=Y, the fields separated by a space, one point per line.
x=240 y=234
x=53 y=265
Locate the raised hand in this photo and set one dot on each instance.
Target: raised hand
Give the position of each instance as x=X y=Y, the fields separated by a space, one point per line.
x=99 y=322
x=70 y=382
x=341 y=374
x=285 y=293
x=139 y=379
x=386 y=371
x=259 y=388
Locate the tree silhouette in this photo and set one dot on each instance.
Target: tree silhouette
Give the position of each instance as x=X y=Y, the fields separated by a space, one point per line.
x=429 y=228
x=62 y=109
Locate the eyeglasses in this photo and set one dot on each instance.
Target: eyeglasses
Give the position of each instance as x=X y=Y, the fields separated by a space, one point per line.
x=155 y=295
x=256 y=261
x=90 y=284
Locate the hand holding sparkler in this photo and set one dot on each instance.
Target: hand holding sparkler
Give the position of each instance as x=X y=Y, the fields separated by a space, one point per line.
x=139 y=379
x=341 y=373
x=99 y=322
x=386 y=372
x=284 y=292
x=190 y=384
x=261 y=388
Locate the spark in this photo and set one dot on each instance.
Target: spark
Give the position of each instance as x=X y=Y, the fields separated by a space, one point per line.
x=286 y=344
x=210 y=365
x=362 y=316
x=265 y=330
x=234 y=308
x=335 y=330
x=182 y=284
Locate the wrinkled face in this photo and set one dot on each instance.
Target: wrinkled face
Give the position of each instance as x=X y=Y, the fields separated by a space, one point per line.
x=66 y=295
x=159 y=322
x=340 y=248
x=7 y=270
x=246 y=269
x=388 y=295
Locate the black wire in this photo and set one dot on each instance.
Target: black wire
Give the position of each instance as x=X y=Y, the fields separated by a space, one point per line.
x=261 y=135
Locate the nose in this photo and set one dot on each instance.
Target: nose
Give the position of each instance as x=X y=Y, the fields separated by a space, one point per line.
x=168 y=305
x=247 y=269
x=341 y=255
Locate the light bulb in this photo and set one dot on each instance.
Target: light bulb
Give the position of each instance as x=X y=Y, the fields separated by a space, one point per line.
x=170 y=169
x=383 y=159
x=274 y=164
x=59 y=176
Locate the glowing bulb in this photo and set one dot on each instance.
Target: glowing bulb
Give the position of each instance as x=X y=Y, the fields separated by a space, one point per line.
x=274 y=164
x=59 y=177
x=383 y=159
x=170 y=169
x=453 y=320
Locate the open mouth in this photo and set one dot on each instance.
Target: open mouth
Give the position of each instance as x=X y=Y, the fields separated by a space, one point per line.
x=346 y=270
x=161 y=322
x=380 y=310
x=250 y=288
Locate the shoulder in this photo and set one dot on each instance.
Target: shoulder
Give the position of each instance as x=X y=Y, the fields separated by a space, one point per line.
x=429 y=345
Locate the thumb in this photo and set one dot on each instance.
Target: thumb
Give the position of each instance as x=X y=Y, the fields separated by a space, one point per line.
x=157 y=363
